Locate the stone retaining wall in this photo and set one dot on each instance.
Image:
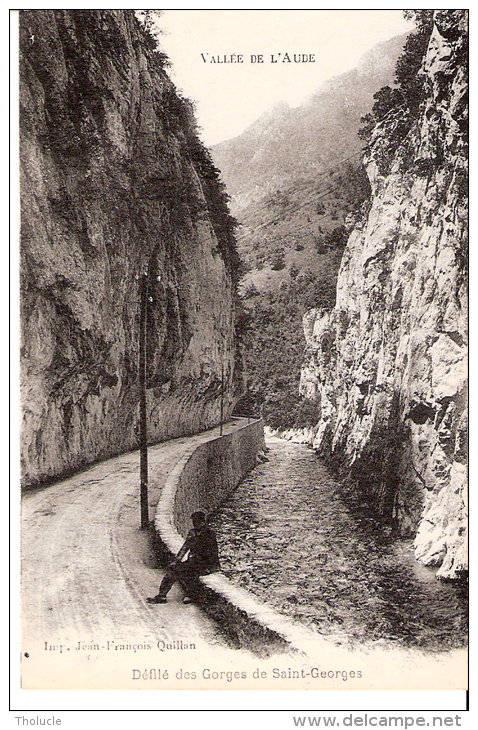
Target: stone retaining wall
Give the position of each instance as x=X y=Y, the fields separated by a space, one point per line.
x=214 y=470
x=204 y=477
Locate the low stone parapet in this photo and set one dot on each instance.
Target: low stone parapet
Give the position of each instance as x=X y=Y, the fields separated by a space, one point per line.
x=202 y=480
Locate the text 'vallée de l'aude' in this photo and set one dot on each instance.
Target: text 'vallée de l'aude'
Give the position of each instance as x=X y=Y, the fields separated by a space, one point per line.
x=282 y=57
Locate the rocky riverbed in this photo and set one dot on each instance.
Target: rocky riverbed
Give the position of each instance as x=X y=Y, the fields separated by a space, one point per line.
x=290 y=537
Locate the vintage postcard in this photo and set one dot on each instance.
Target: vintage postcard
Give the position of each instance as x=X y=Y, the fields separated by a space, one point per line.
x=243 y=293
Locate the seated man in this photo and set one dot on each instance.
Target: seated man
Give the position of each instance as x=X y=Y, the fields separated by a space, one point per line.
x=203 y=558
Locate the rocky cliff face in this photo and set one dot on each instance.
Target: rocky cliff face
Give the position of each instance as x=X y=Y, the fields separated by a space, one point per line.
x=115 y=184
x=388 y=363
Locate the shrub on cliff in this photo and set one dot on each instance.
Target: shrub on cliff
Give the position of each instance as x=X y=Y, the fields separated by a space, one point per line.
x=407 y=73
x=409 y=91
x=151 y=27
x=386 y=99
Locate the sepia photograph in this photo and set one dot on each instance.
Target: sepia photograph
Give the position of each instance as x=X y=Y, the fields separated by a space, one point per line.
x=243 y=266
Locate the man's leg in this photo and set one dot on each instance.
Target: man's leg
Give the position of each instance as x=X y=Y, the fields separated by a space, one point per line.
x=170 y=577
x=188 y=575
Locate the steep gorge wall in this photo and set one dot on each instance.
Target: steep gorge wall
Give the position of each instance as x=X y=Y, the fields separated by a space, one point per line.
x=114 y=184
x=388 y=363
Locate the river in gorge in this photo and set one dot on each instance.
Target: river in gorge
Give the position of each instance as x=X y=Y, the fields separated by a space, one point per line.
x=289 y=536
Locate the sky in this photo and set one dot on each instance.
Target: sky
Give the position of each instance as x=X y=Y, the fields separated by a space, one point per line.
x=230 y=96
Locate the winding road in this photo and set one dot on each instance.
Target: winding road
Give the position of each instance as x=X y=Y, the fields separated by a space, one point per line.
x=87 y=569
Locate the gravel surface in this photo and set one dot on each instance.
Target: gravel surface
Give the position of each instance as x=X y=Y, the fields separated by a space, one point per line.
x=288 y=535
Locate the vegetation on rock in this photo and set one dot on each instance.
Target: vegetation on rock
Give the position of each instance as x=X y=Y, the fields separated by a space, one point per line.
x=115 y=183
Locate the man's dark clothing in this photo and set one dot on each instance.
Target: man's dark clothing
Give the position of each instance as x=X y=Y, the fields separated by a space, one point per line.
x=202 y=546
x=203 y=559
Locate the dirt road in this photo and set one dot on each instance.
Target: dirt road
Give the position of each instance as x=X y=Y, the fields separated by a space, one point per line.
x=87 y=567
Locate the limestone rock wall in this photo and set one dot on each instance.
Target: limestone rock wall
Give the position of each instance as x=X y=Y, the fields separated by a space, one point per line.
x=389 y=363
x=114 y=184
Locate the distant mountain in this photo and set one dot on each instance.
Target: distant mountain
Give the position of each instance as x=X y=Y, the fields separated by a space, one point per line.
x=295 y=212
x=285 y=144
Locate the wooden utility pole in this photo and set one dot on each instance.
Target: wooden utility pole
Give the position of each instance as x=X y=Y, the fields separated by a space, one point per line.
x=143 y=425
x=222 y=395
